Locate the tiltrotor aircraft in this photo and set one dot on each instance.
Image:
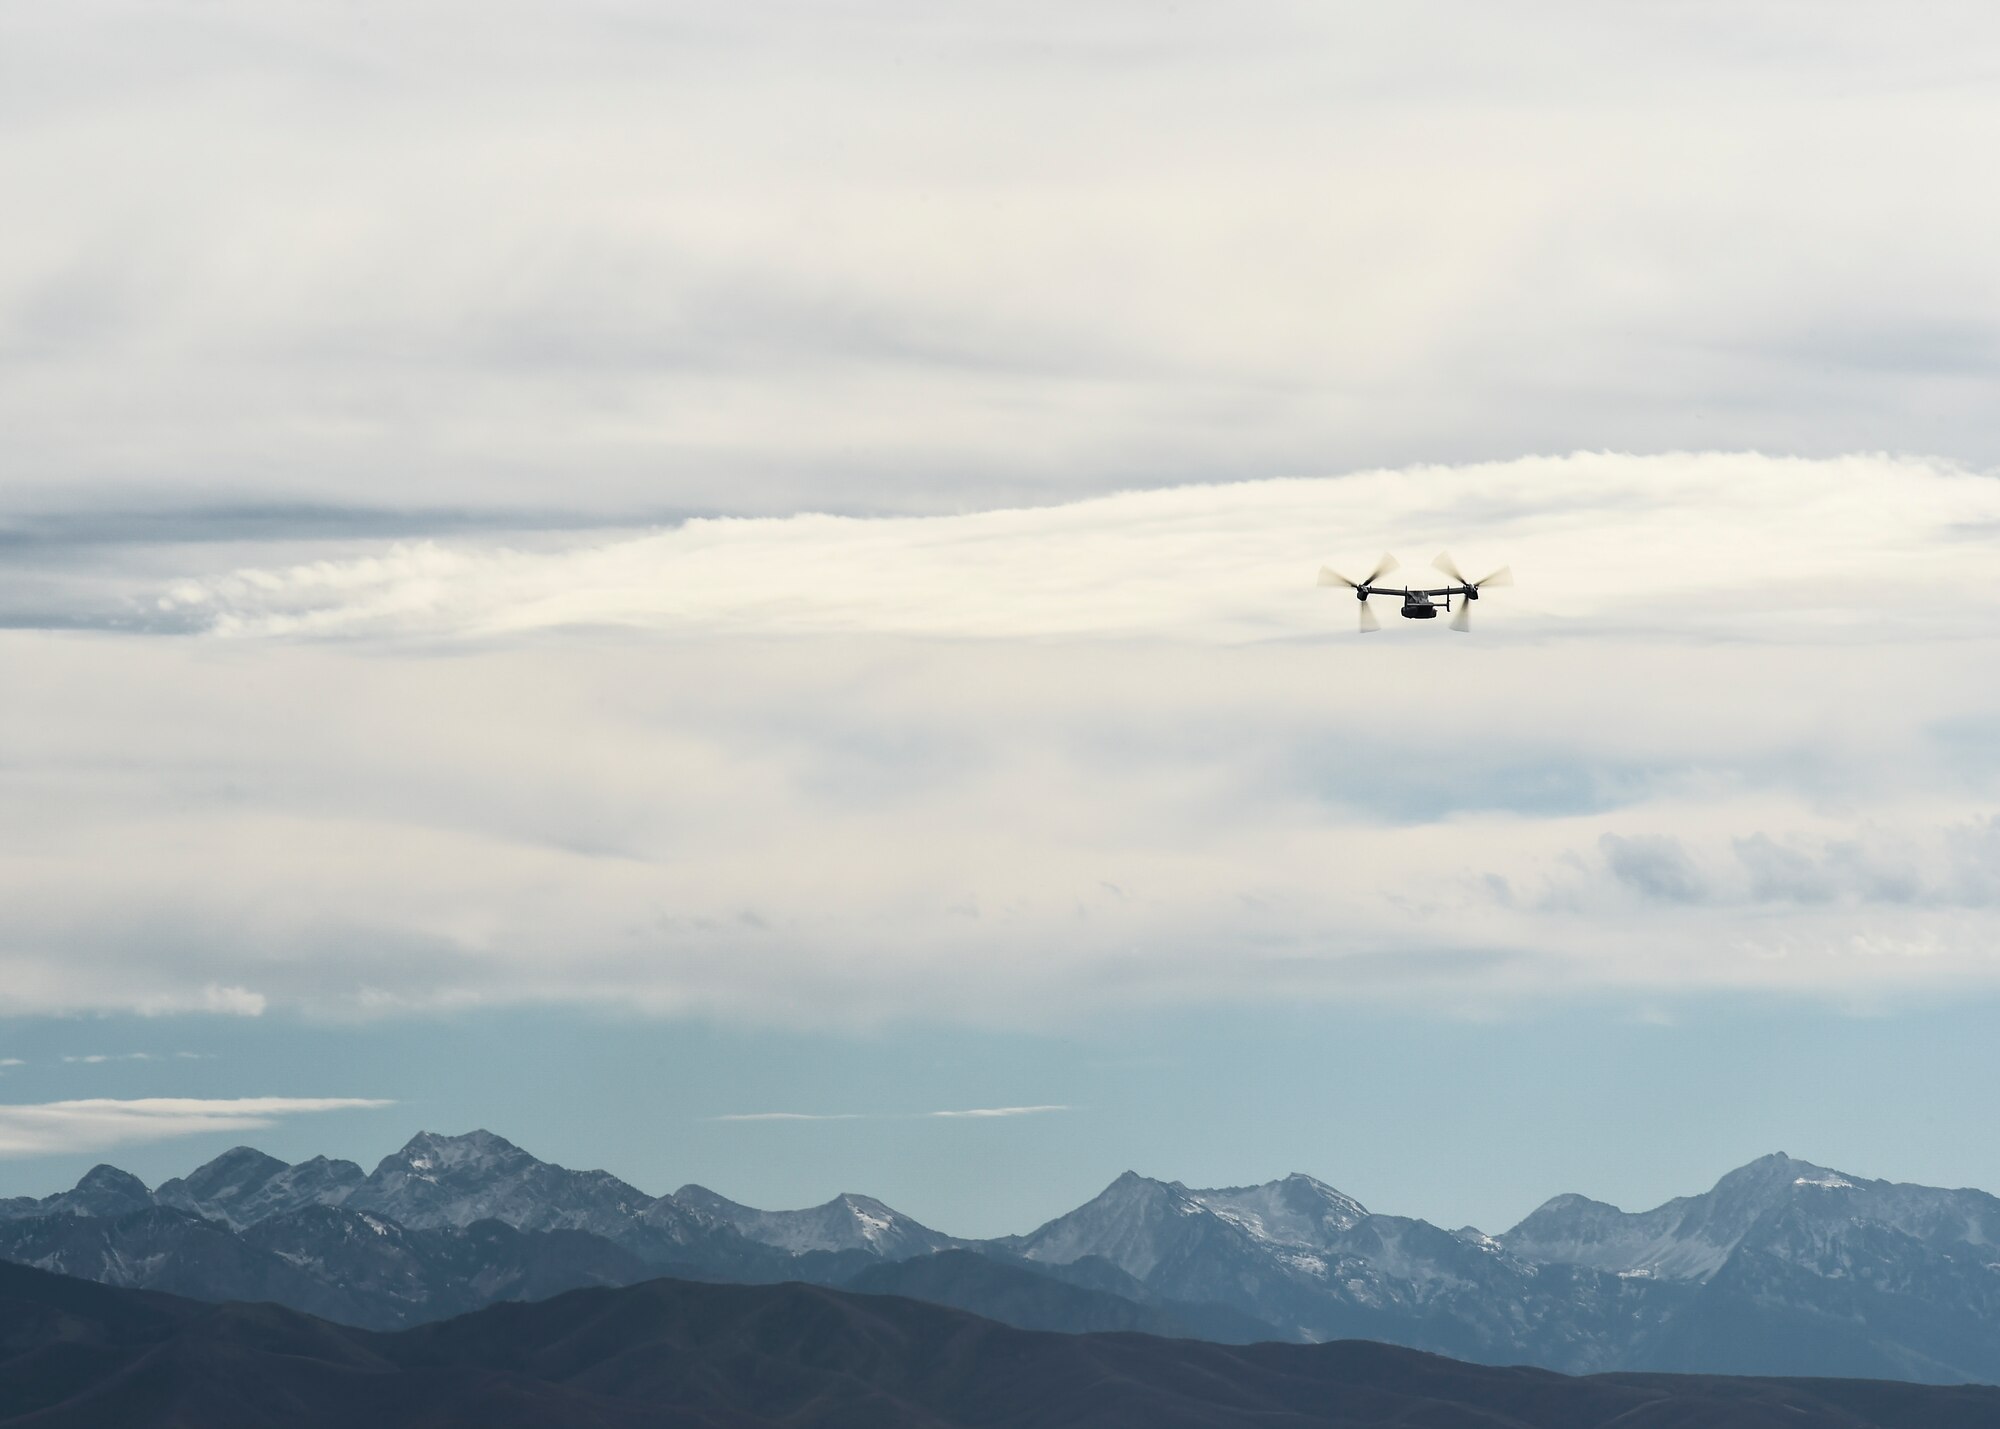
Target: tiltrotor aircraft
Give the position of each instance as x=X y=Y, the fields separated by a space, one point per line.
x=1418 y=604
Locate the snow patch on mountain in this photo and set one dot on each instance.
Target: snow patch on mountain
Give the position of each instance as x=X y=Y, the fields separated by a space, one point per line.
x=244 y=1186
x=847 y=1222
x=1692 y=1238
x=457 y=1180
x=1294 y=1211
x=1908 y=1273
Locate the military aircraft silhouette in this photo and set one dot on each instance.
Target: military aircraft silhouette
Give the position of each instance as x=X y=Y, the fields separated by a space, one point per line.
x=1418 y=604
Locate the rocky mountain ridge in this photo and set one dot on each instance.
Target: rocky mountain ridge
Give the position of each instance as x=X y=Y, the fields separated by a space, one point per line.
x=848 y=1222
x=1783 y=1266
x=1692 y=1237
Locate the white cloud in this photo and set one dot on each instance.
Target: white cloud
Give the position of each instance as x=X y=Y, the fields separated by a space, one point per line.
x=968 y=1112
x=95 y=1124
x=1746 y=546
x=626 y=258
x=235 y=1001
x=792 y=1116
x=538 y=265
x=1735 y=727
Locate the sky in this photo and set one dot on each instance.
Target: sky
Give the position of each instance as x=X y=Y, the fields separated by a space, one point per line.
x=730 y=593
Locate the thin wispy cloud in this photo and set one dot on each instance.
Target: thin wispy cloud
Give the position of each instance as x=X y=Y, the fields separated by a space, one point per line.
x=95 y=1124
x=971 y=1112
x=793 y=1116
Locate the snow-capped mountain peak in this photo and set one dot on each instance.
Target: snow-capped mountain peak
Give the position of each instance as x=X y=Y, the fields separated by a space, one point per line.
x=847 y=1222
x=1297 y=1210
x=429 y=1155
x=1136 y=1223
x=1693 y=1237
x=243 y=1187
x=107 y=1191
x=438 y=1180
x=1781 y=1256
x=231 y=1173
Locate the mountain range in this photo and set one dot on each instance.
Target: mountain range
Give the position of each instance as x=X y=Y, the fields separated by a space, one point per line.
x=77 y=1355
x=1783 y=1267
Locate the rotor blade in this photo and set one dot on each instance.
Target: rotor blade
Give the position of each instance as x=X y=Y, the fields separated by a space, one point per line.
x=1445 y=563
x=1462 y=622
x=1368 y=621
x=1330 y=576
x=1503 y=576
x=1387 y=564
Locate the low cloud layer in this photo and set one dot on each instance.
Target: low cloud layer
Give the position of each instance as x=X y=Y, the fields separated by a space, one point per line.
x=97 y=1124
x=1735 y=728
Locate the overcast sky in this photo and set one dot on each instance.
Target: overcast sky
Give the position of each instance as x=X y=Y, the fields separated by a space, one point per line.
x=765 y=543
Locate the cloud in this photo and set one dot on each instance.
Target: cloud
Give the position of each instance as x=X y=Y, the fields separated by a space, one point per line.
x=969 y=1112
x=95 y=1124
x=1781 y=872
x=536 y=243
x=232 y=1001
x=1655 y=865
x=1075 y=731
x=1716 y=545
x=1024 y=766
x=792 y=1116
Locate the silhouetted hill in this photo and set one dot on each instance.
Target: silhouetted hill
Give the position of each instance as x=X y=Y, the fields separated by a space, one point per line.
x=77 y=1355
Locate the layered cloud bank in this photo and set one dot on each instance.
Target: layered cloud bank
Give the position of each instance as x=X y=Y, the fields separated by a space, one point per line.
x=612 y=257
x=1735 y=728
